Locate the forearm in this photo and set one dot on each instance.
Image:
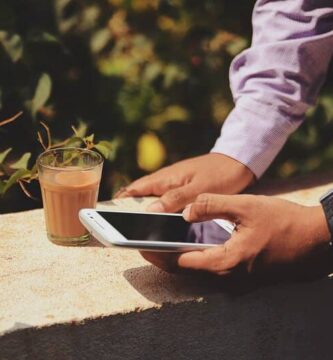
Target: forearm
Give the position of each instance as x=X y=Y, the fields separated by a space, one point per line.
x=277 y=79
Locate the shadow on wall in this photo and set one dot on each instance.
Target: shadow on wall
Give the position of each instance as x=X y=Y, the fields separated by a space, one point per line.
x=283 y=186
x=160 y=287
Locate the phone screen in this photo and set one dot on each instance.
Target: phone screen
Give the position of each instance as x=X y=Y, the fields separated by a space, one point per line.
x=165 y=228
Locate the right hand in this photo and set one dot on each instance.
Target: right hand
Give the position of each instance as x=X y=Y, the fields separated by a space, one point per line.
x=179 y=184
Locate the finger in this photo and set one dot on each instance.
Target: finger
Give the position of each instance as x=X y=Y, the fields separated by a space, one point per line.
x=154 y=184
x=211 y=206
x=220 y=260
x=175 y=199
x=118 y=194
x=140 y=187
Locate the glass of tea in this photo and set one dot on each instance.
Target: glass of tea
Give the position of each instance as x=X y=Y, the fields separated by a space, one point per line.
x=69 y=180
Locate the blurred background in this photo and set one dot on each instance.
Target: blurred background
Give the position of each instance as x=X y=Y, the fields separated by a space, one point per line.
x=149 y=78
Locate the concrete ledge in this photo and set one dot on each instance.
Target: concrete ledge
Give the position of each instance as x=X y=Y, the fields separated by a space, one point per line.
x=83 y=302
x=285 y=321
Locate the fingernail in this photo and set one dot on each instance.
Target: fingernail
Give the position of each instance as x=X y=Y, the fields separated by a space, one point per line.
x=156 y=206
x=186 y=212
x=121 y=191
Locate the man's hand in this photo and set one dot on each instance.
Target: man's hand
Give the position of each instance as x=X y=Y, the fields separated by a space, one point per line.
x=270 y=232
x=179 y=184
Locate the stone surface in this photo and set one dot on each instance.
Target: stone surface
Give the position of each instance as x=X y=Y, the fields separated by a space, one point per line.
x=42 y=285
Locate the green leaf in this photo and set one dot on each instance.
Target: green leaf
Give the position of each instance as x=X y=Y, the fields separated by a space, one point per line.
x=171 y=113
x=17 y=175
x=173 y=74
x=90 y=138
x=74 y=141
x=12 y=44
x=108 y=148
x=44 y=37
x=22 y=163
x=99 y=40
x=81 y=130
x=236 y=46
x=42 y=93
x=4 y=154
x=66 y=20
x=34 y=171
x=103 y=150
x=326 y=102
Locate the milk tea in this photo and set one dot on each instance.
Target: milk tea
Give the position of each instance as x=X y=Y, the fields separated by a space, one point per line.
x=69 y=180
x=64 y=193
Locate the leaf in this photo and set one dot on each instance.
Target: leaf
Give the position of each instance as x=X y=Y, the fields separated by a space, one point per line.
x=67 y=14
x=4 y=154
x=34 y=172
x=43 y=37
x=17 y=175
x=108 y=148
x=173 y=74
x=171 y=113
x=236 y=46
x=103 y=150
x=42 y=93
x=89 y=138
x=74 y=141
x=326 y=102
x=99 y=40
x=12 y=44
x=81 y=130
x=22 y=163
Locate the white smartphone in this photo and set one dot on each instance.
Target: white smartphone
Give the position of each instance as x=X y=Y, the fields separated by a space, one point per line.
x=154 y=231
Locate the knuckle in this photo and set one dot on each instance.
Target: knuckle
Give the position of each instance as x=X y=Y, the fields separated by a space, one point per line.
x=203 y=197
x=204 y=203
x=174 y=196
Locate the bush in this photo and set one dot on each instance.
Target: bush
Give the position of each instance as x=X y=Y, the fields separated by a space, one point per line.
x=139 y=74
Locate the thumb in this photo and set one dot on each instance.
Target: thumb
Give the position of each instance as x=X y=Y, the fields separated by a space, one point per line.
x=211 y=206
x=222 y=259
x=175 y=199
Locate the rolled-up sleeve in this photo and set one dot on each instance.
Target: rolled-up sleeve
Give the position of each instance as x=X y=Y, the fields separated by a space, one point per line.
x=277 y=79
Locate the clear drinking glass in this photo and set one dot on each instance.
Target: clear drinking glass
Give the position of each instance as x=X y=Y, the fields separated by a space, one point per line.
x=69 y=180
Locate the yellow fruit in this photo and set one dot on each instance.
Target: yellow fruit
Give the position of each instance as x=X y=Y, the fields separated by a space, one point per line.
x=150 y=152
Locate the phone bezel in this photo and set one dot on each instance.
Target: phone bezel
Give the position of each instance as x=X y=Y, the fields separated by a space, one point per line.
x=104 y=232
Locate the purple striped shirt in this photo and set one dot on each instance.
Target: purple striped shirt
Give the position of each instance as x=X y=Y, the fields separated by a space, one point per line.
x=277 y=79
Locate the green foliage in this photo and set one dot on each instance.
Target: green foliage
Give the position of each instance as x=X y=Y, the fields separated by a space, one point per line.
x=22 y=163
x=4 y=154
x=42 y=93
x=127 y=70
x=12 y=44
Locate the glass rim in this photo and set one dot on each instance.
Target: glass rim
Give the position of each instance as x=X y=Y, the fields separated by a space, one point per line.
x=95 y=153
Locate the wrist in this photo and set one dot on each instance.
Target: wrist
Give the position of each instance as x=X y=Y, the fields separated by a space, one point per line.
x=244 y=175
x=320 y=230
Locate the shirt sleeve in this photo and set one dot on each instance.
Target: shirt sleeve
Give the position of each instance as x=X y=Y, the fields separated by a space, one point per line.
x=277 y=79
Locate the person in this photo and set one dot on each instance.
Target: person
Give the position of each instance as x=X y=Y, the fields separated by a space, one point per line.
x=274 y=83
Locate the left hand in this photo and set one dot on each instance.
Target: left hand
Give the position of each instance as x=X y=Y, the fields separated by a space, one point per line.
x=269 y=232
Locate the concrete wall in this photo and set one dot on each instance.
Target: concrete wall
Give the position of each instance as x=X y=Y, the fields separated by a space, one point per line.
x=285 y=321
x=102 y=303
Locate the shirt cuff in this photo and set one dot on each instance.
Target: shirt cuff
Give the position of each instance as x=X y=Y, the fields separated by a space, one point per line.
x=254 y=133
